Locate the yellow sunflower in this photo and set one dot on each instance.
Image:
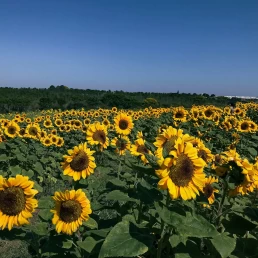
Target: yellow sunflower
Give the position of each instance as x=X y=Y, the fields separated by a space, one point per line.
x=79 y=163
x=183 y=174
x=48 y=123
x=46 y=141
x=97 y=135
x=123 y=124
x=180 y=114
x=244 y=126
x=165 y=142
x=208 y=190
x=60 y=142
x=16 y=201
x=204 y=153
x=122 y=144
x=12 y=129
x=33 y=131
x=71 y=209
x=139 y=149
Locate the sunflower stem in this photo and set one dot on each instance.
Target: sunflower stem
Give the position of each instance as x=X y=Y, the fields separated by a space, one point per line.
x=160 y=244
x=220 y=208
x=119 y=168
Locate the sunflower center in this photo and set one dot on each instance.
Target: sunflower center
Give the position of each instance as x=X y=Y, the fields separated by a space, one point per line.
x=121 y=145
x=12 y=201
x=244 y=126
x=208 y=113
x=70 y=211
x=33 y=131
x=208 y=190
x=179 y=114
x=11 y=130
x=182 y=173
x=142 y=149
x=80 y=161
x=99 y=136
x=202 y=154
x=123 y=124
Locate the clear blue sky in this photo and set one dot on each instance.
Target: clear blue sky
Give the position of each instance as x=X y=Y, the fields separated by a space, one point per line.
x=192 y=46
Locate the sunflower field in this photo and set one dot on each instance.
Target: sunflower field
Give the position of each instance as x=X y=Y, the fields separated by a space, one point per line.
x=149 y=183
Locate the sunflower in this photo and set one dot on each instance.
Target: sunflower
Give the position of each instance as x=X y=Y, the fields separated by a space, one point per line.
x=123 y=124
x=97 y=135
x=245 y=177
x=208 y=112
x=139 y=149
x=204 y=153
x=58 y=122
x=244 y=126
x=71 y=209
x=179 y=114
x=48 y=123
x=60 y=142
x=33 y=131
x=208 y=190
x=12 y=129
x=165 y=141
x=16 y=201
x=106 y=122
x=79 y=163
x=46 y=141
x=22 y=132
x=86 y=121
x=183 y=174
x=122 y=144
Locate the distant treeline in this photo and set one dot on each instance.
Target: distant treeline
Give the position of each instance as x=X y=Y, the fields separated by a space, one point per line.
x=63 y=97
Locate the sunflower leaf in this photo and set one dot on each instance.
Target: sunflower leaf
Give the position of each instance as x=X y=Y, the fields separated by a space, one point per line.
x=224 y=249
x=90 y=223
x=126 y=239
x=119 y=196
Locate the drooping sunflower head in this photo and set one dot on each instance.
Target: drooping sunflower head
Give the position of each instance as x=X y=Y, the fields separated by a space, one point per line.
x=122 y=144
x=79 y=163
x=209 y=190
x=123 y=124
x=71 y=209
x=16 y=201
x=139 y=149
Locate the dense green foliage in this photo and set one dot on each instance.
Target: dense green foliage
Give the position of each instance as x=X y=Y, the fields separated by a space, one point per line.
x=30 y=99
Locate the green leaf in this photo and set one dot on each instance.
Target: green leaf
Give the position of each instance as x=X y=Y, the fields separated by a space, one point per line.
x=38 y=187
x=2 y=146
x=45 y=202
x=126 y=239
x=45 y=214
x=40 y=229
x=117 y=182
x=175 y=240
x=182 y=255
x=189 y=225
x=3 y=157
x=15 y=170
x=20 y=157
x=28 y=173
x=90 y=223
x=252 y=151
x=88 y=244
x=224 y=244
x=119 y=196
x=38 y=167
x=67 y=244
